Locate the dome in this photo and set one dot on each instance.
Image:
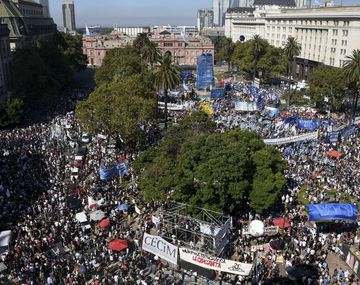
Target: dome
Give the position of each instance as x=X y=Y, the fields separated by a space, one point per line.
x=256 y=228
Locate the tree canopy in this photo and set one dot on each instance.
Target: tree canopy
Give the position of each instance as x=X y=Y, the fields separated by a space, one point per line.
x=121 y=108
x=257 y=55
x=329 y=82
x=118 y=64
x=218 y=171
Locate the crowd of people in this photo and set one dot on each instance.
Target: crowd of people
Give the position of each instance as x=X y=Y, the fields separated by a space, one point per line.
x=40 y=200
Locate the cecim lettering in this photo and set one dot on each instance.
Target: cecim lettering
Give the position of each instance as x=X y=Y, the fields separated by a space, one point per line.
x=160 y=245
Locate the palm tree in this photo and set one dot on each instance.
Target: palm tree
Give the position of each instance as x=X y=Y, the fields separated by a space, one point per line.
x=140 y=41
x=256 y=47
x=292 y=49
x=150 y=53
x=352 y=72
x=167 y=76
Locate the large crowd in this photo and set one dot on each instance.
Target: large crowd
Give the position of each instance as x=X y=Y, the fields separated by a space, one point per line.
x=40 y=199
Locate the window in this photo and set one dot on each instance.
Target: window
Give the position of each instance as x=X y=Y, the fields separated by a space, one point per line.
x=168 y=44
x=290 y=30
x=345 y=33
x=284 y=29
x=336 y=23
x=335 y=32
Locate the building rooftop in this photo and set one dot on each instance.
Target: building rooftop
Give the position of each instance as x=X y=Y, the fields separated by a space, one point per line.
x=281 y=3
x=240 y=10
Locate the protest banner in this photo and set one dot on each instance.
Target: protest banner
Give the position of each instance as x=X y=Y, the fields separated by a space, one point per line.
x=160 y=247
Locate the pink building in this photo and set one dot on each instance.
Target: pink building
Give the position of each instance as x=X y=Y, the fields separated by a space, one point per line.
x=183 y=51
x=96 y=47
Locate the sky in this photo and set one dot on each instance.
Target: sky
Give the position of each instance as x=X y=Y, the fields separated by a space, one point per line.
x=137 y=12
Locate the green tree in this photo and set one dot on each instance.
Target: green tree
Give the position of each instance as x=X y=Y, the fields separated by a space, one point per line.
x=226 y=51
x=119 y=64
x=257 y=48
x=141 y=41
x=217 y=171
x=352 y=73
x=150 y=53
x=121 y=108
x=71 y=46
x=167 y=77
x=329 y=82
x=12 y=112
x=291 y=50
x=270 y=60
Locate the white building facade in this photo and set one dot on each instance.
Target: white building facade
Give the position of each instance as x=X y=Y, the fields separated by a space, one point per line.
x=327 y=35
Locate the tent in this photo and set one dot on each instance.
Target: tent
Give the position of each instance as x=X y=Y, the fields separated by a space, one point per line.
x=118 y=245
x=257 y=228
x=122 y=207
x=104 y=223
x=5 y=237
x=335 y=154
x=97 y=215
x=332 y=212
x=282 y=222
x=81 y=217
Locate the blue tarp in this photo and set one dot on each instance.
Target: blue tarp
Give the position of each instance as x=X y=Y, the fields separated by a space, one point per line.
x=116 y=170
x=308 y=124
x=273 y=111
x=332 y=212
x=217 y=93
x=186 y=75
x=291 y=120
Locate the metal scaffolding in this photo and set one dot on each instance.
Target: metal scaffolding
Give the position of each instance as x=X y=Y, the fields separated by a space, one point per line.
x=196 y=228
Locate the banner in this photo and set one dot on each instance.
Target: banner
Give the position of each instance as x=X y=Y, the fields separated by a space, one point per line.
x=308 y=124
x=116 y=170
x=269 y=231
x=245 y=106
x=217 y=93
x=331 y=212
x=272 y=111
x=160 y=247
x=215 y=263
x=351 y=258
x=286 y=140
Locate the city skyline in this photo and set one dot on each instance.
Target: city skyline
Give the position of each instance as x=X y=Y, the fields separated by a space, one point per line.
x=130 y=13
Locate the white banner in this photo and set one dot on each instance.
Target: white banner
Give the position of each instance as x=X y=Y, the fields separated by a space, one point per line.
x=268 y=230
x=215 y=263
x=303 y=137
x=160 y=247
x=245 y=106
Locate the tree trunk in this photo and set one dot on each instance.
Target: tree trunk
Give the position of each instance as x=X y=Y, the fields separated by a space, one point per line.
x=355 y=104
x=166 y=106
x=289 y=76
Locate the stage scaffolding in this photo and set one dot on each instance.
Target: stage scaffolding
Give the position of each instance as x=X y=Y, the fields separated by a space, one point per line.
x=195 y=228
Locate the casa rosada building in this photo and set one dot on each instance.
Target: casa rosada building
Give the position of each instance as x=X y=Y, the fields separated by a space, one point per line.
x=183 y=50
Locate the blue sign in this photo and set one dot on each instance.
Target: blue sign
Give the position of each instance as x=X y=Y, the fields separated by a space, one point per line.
x=347 y=132
x=332 y=212
x=217 y=93
x=332 y=137
x=308 y=124
x=116 y=170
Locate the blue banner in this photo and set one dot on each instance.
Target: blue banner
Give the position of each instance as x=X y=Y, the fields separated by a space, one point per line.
x=347 y=132
x=116 y=170
x=217 y=93
x=291 y=120
x=308 y=124
x=332 y=137
x=186 y=75
x=332 y=212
